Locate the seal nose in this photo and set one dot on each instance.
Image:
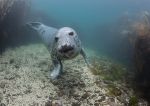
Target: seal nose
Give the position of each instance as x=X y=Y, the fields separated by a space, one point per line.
x=65 y=49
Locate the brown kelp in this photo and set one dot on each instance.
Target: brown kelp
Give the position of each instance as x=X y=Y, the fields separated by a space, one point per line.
x=141 y=28
x=12 y=15
x=5 y=7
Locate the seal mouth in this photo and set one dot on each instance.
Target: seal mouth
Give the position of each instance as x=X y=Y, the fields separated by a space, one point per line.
x=66 y=49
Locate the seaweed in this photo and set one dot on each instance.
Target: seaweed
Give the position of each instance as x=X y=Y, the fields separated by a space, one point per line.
x=108 y=69
x=116 y=72
x=96 y=68
x=113 y=90
x=133 y=101
x=12 y=18
x=142 y=55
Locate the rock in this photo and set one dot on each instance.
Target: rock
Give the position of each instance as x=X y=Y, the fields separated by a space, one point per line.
x=11 y=61
x=111 y=99
x=101 y=99
x=53 y=103
x=85 y=95
x=114 y=91
x=48 y=103
x=57 y=103
x=38 y=96
x=1 y=97
x=42 y=63
x=28 y=90
x=60 y=93
x=76 y=96
x=75 y=104
x=96 y=104
x=12 y=76
x=16 y=66
x=2 y=84
x=1 y=69
x=2 y=104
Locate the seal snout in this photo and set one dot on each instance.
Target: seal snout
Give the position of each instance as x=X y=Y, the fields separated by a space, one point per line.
x=65 y=49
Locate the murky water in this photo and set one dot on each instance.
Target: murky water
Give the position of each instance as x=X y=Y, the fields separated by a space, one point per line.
x=97 y=22
x=114 y=33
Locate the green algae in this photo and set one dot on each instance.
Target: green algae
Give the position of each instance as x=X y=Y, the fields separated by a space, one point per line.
x=113 y=90
x=107 y=69
x=115 y=73
x=133 y=101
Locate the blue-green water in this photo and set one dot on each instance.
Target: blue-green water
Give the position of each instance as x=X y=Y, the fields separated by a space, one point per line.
x=112 y=31
x=94 y=20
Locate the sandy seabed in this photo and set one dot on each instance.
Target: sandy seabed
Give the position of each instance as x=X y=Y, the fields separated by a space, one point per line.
x=24 y=81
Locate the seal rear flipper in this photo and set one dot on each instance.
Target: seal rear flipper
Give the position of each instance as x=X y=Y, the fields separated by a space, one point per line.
x=57 y=70
x=34 y=25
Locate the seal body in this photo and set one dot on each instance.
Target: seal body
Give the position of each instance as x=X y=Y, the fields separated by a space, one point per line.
x=63 y=44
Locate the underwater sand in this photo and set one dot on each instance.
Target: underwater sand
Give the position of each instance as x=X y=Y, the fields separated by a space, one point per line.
x=24 y=81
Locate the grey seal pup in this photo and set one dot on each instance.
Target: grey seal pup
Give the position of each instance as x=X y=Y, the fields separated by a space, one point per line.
x=63 y=44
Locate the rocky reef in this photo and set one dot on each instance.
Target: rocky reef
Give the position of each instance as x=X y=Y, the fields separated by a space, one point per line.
x=24 y=80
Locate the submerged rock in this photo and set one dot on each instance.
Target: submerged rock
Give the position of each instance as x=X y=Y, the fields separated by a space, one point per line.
x=76 y=104
x=28 y=85
x=114 y=91
x=2 y=104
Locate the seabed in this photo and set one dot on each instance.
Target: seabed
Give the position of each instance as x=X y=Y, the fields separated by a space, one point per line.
x=24 y=81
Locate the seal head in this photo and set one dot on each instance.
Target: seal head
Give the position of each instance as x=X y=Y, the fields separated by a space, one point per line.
x=67 y=44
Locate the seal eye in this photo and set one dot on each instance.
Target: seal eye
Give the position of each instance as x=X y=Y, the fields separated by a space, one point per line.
x=71 y=33
x=56 y=39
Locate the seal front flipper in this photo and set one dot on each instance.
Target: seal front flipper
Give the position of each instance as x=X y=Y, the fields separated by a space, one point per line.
x=57 y=69
x=82 y=52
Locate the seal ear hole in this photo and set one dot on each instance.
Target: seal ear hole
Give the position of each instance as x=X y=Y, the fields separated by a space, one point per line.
x=71 y=33
x=56 y=39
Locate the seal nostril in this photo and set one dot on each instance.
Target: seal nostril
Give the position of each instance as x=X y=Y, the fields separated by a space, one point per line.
x=56 y=39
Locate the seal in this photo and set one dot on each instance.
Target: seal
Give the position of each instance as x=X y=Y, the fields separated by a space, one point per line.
x=63 y=44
